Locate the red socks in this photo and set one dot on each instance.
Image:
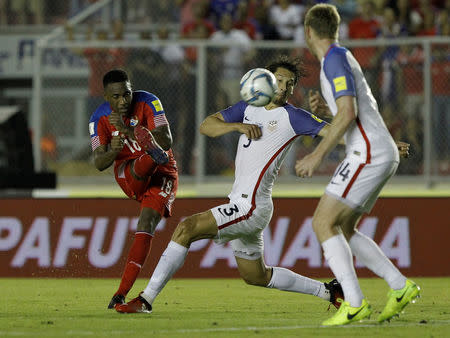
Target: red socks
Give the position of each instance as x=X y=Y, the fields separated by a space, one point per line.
x=136 y=257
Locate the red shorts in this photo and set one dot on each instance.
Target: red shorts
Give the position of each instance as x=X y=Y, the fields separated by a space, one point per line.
x=157 y=192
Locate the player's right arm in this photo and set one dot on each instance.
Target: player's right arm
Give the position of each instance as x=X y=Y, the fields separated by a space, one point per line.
x=105 y=145
x=104 y=157
x=215 y=125
x=318 y=105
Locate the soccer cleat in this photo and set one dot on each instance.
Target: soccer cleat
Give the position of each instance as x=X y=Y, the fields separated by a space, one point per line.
x=347 y=314
x=336 y=293
x=145 y=139
x=116 y=299
x=136 y=305
x=398 y=299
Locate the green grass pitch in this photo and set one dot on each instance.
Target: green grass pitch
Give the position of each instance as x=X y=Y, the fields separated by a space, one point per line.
x=206 y=308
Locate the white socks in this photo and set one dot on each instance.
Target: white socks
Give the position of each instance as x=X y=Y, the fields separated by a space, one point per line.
x=339 y=257
x=370 y=254
x=171 y=260
x=286 y=280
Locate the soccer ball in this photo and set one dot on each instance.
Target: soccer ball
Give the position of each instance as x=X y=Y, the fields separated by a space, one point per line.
x=258 y=87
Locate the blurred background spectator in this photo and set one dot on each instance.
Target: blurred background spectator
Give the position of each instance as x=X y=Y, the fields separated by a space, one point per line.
x=286 y=17
x=100 y=60
x=219 y=8
x=366 y=26
x=395 y=73
x=389 y=29
x=233 y=60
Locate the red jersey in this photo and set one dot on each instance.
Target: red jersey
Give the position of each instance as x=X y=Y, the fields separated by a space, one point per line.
x=147 y=111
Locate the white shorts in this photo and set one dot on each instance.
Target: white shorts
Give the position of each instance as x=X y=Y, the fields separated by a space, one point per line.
x=239 y=223
x=358 y=184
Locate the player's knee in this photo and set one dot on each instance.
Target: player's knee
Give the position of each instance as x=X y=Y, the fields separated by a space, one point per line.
x=185 y=231
x=255 y=278
x=317 y=225
x=348 y=233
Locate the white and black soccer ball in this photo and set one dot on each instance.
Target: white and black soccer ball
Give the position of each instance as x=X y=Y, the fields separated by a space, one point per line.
x=258 y=87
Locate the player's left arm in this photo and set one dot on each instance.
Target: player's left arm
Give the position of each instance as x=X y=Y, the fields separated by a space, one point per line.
x=346 y=114
x=163 y=136
x=324 y=132
x=156 y=120
x=215 y=125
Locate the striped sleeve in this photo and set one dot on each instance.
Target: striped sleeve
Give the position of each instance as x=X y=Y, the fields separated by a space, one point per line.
x=95 y=142
x=98 y=133
x=160 y=120
x=93 y=132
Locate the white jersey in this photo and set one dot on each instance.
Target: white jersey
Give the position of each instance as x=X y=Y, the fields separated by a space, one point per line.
x=258 y=161
x=367 y=137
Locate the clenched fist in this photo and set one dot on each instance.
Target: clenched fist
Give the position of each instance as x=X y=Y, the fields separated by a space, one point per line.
x=117 y=141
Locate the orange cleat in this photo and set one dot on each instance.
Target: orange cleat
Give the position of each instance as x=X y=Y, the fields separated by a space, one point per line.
x=145 y=139
x=136 y=305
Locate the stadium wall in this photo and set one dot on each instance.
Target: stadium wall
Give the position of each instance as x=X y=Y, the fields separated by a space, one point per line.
x=91 y=237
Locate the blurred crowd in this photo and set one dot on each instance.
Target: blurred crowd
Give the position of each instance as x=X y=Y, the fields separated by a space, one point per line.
x=260 y=19
x=395 y=73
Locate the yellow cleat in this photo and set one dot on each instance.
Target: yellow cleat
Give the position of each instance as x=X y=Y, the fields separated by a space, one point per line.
x=347 y=314
x=398 y=299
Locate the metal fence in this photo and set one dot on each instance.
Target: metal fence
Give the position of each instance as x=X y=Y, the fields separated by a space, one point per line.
x=197 y=78
x=194 y=78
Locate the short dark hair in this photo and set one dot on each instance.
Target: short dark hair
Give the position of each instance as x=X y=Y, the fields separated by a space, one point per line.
x=115 y=75
x=324 y=19
x=293 y=65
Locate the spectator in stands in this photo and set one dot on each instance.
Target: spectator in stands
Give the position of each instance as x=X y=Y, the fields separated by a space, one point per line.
x=428 y=27
x=410 y=61
x=366 y=26
x=219 y=153
x=183 y=126
x=406 y=15
x=389 y=29
x=146 y=66
x=268 y=30
x=244 y=22
x=286 y=17
x=443 y=22
x=198 y=22
x=25 y=12
x=440 y=79
x=185 y=8
x=232 y=62
x=233 y=58
x=172 y=53
x=3 y=12
x=100 y=61
x=218 y=8
x=346 y=8
x=138 y=11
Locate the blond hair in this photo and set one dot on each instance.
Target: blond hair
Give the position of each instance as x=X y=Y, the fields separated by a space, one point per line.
x=324 y=19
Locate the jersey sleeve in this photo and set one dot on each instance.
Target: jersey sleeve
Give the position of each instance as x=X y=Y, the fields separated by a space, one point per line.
x=304 y=123
x=339 y=73
x=98 y=132
x=153 y=110
x=234 y=113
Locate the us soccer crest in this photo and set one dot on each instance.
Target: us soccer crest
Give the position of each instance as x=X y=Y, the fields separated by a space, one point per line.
x=272 y=125
x=134 y=121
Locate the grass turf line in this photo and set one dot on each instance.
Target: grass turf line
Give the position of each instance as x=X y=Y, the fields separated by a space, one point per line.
x=205 y=308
